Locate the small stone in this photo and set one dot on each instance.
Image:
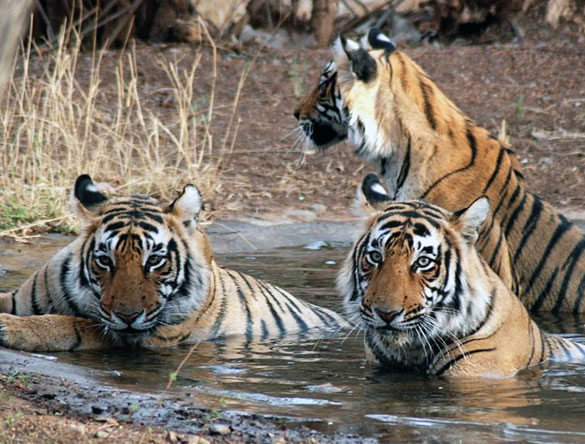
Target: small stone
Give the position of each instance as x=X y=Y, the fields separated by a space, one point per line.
x=78 y=428
x=101 y=434
x=196 y=439
x=219 y=429
x=171 y=436
x=317 y=207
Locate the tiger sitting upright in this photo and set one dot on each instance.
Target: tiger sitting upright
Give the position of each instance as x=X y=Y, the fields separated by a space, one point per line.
x=428 y=301
x=142 y=274
x=427 y=148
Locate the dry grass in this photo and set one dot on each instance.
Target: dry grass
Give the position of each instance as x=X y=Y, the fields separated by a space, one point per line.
x=53 y=128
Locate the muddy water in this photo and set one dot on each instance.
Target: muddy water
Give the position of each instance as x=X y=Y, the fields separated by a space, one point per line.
x=326 y=385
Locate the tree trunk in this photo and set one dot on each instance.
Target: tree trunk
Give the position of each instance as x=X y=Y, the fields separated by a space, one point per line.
x=323 y=20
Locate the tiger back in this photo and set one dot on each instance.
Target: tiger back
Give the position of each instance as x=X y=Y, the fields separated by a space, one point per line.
x=427 y=301
x=427 y=148
x=142 y=273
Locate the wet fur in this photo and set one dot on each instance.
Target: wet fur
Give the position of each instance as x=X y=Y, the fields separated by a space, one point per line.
x=77 y=301
x=456 y=318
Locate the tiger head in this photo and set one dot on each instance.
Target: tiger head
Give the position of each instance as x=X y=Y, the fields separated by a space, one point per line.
x=378 y=98
x=321 y=113
x=143 y=264
x=411 y=273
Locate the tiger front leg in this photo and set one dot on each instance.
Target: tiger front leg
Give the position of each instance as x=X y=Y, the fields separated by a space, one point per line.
x=51 y=333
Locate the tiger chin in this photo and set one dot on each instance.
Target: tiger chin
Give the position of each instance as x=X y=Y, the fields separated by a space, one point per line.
x=142 y=274
x=427 y=301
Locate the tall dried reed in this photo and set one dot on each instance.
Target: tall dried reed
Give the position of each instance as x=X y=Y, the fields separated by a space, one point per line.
x=53 y=128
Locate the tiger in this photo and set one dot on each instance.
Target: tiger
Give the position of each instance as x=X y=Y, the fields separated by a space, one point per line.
x=427 y=148
x=428 y=302
x=142 y=274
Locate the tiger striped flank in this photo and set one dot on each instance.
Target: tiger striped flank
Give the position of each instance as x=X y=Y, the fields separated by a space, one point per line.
x=428 y=302
x=142 y=274
x=427 y=148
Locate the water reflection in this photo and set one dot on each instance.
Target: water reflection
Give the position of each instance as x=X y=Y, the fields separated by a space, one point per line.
x=324 y=383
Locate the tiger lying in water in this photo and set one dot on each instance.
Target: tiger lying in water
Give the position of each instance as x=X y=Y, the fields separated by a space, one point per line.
x=427 y=148
x=428 y=301
x=143 y=274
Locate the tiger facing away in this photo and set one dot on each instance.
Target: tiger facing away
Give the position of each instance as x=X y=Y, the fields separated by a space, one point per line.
x=142 y=273
x=427 y=148
x=428 y=301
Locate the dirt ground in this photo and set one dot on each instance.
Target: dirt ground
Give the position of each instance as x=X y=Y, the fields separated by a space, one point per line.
x=537 y=87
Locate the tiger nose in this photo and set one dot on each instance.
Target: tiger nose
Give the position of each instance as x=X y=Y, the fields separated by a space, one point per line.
x=387 y=316
x=128 y=318
x=297 y=114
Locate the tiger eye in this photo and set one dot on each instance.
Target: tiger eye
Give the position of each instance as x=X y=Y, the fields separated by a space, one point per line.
x=423 y=261
x=375 y=256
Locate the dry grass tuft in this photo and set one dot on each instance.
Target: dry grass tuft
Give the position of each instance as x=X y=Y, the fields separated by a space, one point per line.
x=53 y=128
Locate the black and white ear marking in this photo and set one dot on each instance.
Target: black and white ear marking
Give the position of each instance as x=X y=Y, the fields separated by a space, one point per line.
x=87 y=193
x=188 y=205
x=470 y=219
x=378 y=40
x=373 y=190
x=363 y=64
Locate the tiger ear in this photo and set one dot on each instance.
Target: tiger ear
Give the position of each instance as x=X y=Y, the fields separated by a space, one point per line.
x=371 y=195
x=469 y=220
x=378 y=40
x=88 y=200
x=363 y=64
x=188 y=205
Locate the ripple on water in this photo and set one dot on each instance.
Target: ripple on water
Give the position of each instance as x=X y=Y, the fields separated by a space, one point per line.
x=325 y=383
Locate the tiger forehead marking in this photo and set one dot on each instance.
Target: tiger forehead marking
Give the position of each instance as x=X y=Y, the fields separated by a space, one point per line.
x=400 y=238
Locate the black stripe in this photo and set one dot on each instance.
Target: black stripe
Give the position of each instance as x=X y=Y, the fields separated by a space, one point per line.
x=532 y=340
x=115 y=226
x=36 y=309
x=249 y=320
x=580 y=295
x=275 y=315
x=573 y=259
x=542 y=345
x=222 y=309
x=265 y=333
x=561 y=343
x=404 y=169
x=530 y=225
x=13 y=311
x=453 y=361
x=77 y=342
x=512 y=220
x=148 y=227
x=426 y=92
x=495 y=172
x=559 y=232
x=496 y=251
x=66 y=293
x=545 y=291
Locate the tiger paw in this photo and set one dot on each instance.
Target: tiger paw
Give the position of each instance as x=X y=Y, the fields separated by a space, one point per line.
x=50 y=333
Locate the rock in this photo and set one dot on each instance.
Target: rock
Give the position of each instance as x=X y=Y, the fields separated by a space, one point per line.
x=78 y=428
x=196 y=439
x=101 y=434
x=219 y=429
